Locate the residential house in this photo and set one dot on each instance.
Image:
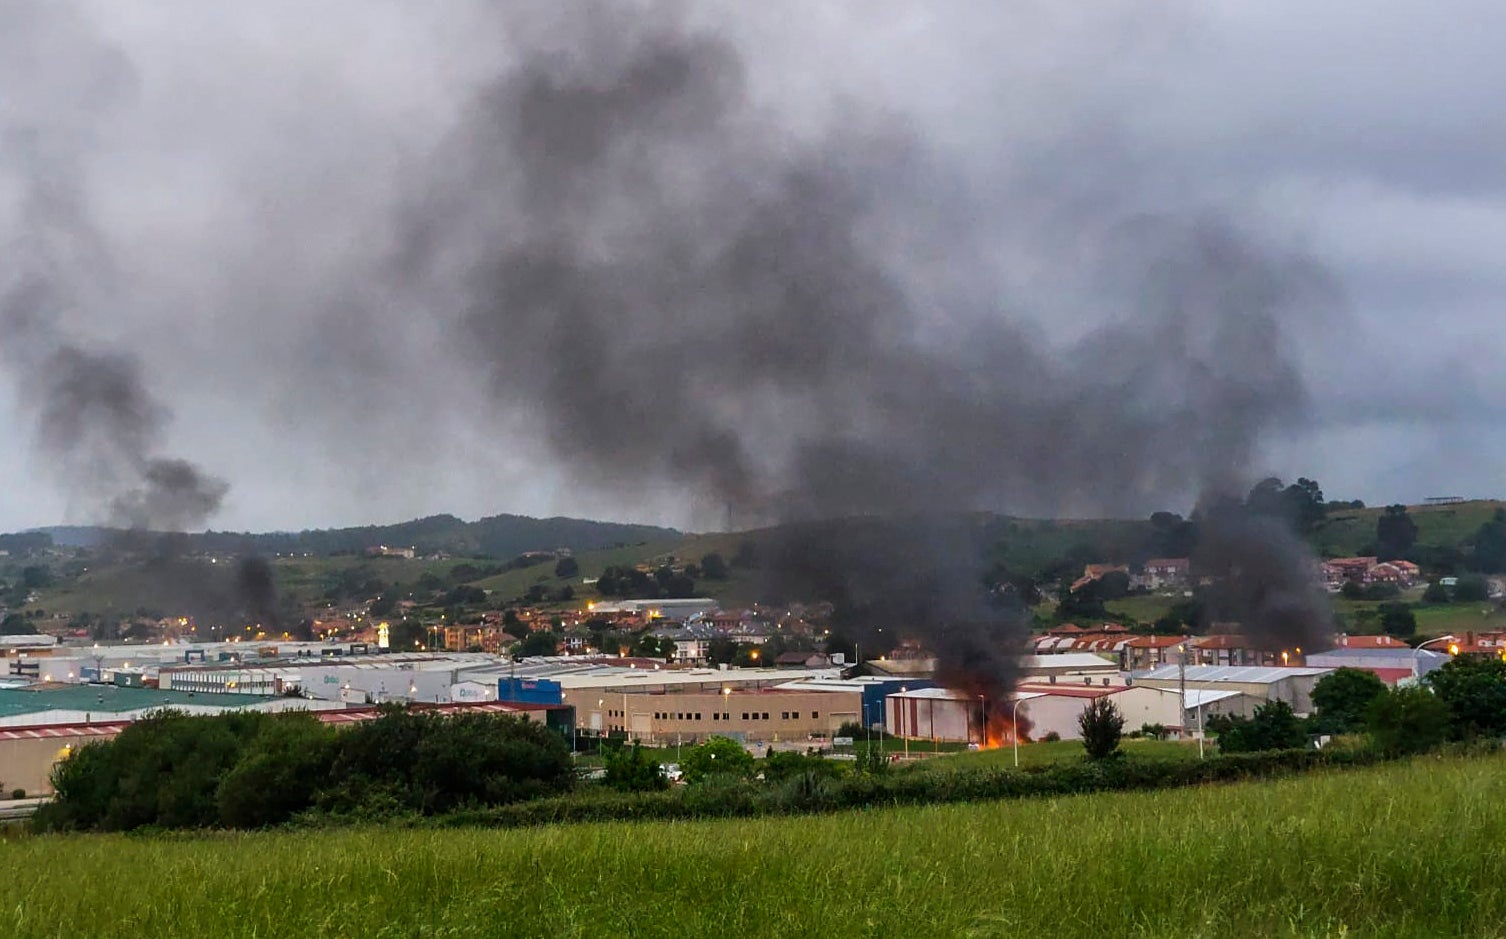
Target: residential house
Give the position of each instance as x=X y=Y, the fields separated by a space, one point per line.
x=1092 y=572
x=1164 y=573
x=1145 y=652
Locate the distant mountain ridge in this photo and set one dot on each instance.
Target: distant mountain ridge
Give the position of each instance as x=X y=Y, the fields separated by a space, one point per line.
x=498 y=536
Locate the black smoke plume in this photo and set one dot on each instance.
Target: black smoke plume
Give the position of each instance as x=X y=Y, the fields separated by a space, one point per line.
x=802 y=326
x=98 y=427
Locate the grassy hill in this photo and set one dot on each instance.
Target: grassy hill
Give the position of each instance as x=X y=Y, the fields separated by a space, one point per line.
x=1408 y=849
x=1020 y=545
x=1349 y=532
x=497 y=536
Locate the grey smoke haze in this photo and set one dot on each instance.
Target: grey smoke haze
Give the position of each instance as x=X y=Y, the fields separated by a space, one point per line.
x=682 y=292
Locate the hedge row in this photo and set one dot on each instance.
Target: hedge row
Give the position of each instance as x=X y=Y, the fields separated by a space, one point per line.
x=813 y=794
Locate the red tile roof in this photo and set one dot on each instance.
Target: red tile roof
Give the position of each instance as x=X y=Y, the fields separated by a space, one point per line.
x=1153 y=642
x=1370 y=642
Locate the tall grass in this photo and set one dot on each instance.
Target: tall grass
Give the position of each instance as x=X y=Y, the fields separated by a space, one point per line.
x=1409 y=849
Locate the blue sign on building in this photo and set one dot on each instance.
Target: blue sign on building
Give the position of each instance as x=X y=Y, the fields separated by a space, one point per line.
x=530 y=691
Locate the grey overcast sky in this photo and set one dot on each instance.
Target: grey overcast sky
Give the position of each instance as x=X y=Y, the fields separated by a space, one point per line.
x=228 y=197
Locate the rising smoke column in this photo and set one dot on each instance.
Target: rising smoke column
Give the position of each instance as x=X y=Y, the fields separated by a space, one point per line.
x=678 y=287
x=98 y=426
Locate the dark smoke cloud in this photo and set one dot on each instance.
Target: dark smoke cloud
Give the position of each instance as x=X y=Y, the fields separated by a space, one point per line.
x=801 y=327
x=97 y=425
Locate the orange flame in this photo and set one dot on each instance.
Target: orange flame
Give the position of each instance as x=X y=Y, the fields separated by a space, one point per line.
x=1000 y=732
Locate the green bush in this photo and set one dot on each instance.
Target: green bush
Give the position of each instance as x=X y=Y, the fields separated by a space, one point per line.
x=254 y=770
x=1408 y=720
x=18 y=793
x=632 y=769
x=1474 y=688
x=718 y=756
x=780 y=766
x=1275 y=726
x=279 y=776
x=726 y=797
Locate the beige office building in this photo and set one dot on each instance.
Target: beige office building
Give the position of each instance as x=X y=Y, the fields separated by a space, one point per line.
x=670 y=717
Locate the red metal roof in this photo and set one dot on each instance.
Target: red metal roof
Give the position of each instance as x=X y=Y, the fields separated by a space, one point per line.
x=62 y=731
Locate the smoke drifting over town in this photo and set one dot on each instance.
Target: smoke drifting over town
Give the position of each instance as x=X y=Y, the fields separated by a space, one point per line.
x=678 y=289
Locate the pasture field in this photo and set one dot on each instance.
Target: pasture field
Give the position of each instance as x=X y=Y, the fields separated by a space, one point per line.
x=1407 y=849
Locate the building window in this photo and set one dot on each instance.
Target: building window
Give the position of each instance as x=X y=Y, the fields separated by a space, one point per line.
x=697 y=715
x=784 y=715
x=765 y=715
x=745 y=715
x=815 y=714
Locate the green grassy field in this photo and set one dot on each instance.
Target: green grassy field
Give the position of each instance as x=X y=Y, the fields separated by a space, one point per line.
x=1347 y=532
x=1410 y=849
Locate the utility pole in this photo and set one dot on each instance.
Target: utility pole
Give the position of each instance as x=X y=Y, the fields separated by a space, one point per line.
x=1182 y=684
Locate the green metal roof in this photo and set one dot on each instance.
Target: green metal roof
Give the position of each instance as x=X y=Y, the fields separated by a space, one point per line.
x=109 y=699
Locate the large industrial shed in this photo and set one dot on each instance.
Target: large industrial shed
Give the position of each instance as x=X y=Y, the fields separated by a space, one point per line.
x=1055 y=708
x=933 y=714
x=1293 y=685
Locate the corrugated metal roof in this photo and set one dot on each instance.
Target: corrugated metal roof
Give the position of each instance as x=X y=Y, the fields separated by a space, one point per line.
x=108 y=699
x=1248 y=674
x=1203 y=697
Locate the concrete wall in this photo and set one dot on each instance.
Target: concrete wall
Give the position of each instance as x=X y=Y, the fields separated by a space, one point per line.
x=948 y=720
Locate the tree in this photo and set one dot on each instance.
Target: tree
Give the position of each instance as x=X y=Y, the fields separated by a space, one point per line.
x=36 y=577
x=713 y=567
x=1436 y=593
x=1115 y=585
x=1275 y=726
x=1396 y=619
x=721 y=651
x=1301 y=504
x=1471 y=588
x=383 y=605
x=1489 y=554
x=1395 y=533
x=15 y=624
x=566 y=567
x=1343 y=698
x=1102 y=727
x=719 y=756
x=513 y=626
x=542 y=642
x=632 y=769
x=1474 y=688
x=1407 y=720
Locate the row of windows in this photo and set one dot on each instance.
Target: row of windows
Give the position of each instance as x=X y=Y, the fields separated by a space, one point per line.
x=727 y=716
